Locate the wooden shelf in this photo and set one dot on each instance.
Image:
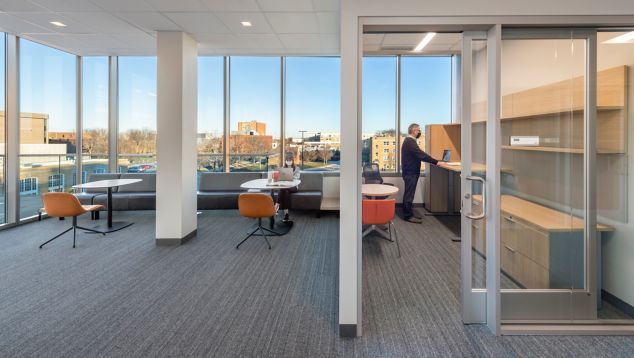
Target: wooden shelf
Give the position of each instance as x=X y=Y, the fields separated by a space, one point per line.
x=533 y=115
x=556 y=150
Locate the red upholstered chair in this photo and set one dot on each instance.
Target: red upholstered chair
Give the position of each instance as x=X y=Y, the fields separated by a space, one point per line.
x=380 y=212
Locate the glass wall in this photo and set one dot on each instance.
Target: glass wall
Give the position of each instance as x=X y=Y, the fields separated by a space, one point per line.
x=95 y=78
x=255 y=113
x=313 y=112
x=210 y=114
x=48 y=123
x=615 y=194
x=425 y=93
x=136 y=140
x=2 y=132
x=379 y=112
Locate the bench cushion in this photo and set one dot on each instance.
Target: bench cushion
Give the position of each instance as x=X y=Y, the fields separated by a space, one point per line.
x=218 y=200
x=225 y=181
x=306 y=200
x=311 y=181
x=142 y=201
x=147 y=183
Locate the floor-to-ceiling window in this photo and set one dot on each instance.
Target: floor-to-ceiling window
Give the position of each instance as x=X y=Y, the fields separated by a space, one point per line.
x=2 y=132
x=136 y=140
x=379 y=112
x=425 y=92
x=255 y=112
x=312 y=112
x=94 y=115
x=48 y=122
x=210 y=139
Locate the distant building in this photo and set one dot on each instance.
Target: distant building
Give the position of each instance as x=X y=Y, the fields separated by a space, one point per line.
x=33 y=127
x=383 y=150
x=252 y=128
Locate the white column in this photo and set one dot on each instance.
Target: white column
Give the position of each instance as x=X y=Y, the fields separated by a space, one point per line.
x=350 y=176
x=176 y=138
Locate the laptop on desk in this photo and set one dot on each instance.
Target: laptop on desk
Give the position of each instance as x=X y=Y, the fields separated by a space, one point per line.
x=286 y=174
x=446 y=157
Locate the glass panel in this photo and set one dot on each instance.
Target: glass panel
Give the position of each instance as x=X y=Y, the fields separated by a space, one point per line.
x=379 y=112
x=94 y=115
x=2 y=132
x=136 y=141
x=615 y=89
x=479 y=117
x=425 y=93
x=255 y=113
x=210 y=114
x=312 y=112
x=47 y=123
x=542 y=177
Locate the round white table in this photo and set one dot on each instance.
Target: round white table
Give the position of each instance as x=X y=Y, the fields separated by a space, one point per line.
x=375 y=190
x=263 y=184
x=109 y=184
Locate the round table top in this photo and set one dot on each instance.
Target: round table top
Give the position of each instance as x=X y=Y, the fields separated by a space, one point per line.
x=108 y=183
x=262 y=184
x=378 y=190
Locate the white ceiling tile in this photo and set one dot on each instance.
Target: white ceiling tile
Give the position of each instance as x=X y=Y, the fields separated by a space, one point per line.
x=294 y=41
x=326 y=5
x=140 y=40
x=19 y=5
x=294 y=23
x=402 y=39
x=232 y=20
x=149 y=21
x=329 y=41
x=44 y=19
x=103 y=22
x=231 y=5
x=225 y=41
x=328 y=22
x=373 y=39
x=123 y=5
x=14 y=25
x=177 y=5
x=286 y=5
x=198 y=22
x=67 y=5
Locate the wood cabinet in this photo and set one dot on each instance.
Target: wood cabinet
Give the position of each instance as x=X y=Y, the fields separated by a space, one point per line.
x=540 y=247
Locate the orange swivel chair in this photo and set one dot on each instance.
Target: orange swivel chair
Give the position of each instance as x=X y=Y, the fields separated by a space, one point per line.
x=67 y=205
x=257 y=206
x=380 y=212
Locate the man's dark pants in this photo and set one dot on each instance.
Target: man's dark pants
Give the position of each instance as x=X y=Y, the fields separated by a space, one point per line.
x=410 y=181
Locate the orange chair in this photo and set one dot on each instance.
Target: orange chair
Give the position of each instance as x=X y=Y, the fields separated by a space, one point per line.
x=257 y=206
x=380 y=212
x=67 y=205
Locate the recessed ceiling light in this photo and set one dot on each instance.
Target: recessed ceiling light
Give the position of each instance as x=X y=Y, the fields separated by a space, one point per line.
x=424 y=41
x=246 y=23
x=625 y=38
x=57 y=23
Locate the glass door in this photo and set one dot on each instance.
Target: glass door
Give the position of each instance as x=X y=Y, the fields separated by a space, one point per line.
x=476 y=91
x=548 y=227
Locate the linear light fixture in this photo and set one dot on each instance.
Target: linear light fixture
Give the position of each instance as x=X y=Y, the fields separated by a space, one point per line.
x=58 y=24
x=246 y=23
x=421 y=45
x=625 y=38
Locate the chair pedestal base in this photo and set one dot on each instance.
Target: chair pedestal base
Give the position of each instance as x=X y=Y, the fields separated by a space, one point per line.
x=279 y=228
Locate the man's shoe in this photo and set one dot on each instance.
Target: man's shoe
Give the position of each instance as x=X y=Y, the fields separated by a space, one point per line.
x=417 y=216
x=414 y=220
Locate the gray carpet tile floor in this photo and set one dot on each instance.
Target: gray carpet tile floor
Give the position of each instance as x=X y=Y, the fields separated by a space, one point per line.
x=122 y=296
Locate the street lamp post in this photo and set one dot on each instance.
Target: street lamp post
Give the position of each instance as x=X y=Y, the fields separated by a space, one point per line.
x=302 y=165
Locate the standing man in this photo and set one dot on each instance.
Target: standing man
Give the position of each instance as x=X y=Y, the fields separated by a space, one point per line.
x=411 y=158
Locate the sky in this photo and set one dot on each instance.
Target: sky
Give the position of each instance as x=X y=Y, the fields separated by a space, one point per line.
x=312 y=91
